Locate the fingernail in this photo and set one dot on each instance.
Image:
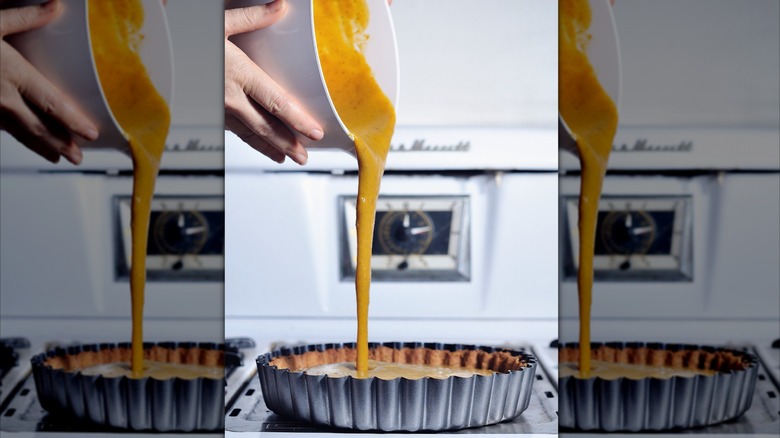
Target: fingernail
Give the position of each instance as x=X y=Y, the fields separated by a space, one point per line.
x=88 y=130
x=316 y=135
x=49 y=5
x=300 y=158
x=91 y=134
x=71 y=153
x=275 y=5
x=74 y=155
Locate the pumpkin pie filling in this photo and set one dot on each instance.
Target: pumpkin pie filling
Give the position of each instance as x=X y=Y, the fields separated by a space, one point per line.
x=390 y=370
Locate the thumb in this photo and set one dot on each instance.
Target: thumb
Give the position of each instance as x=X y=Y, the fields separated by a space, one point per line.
x=15 y=20
x=240 y=20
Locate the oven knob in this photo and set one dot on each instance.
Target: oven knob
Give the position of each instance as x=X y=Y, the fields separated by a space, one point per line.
x=627 y=232
x=405 y=232
x=181 y=232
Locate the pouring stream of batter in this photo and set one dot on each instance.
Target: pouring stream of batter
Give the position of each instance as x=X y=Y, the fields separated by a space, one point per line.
x=592 y=117
x=144 y=117
x=370 y=118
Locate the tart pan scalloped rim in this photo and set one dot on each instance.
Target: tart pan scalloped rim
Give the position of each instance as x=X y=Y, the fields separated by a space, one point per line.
x=655 y=404
x=401 y=404
x=138 y=404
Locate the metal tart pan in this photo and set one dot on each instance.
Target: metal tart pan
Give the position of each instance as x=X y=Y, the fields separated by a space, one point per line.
x=659 y=404
x=147 y=404
x=400 y=404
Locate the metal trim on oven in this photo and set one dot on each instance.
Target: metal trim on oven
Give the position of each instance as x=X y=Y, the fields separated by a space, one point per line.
x=659 y=268
x=211 y=267
x=459 y=253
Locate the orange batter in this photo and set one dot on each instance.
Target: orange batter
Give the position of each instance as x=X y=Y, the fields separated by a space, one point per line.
x=370 y=118
x=144 y=117
x=156 y=370
x=612 y=371
x=393 y=370
x=592 y=118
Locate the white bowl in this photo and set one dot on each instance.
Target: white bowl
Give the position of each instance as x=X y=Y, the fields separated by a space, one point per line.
x=62 y=52
x=287 y=52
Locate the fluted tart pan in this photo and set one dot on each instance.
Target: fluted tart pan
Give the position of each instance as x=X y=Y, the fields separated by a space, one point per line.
x=653 y=403
x=142 y=404
x=399 y=404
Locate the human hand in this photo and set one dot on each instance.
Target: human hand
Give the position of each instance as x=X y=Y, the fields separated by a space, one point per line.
x=32 y=109
x=257 y=110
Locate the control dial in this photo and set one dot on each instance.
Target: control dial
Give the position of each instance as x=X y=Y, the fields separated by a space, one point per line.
x=181 y=232
x=628 y=232
x=405 y=232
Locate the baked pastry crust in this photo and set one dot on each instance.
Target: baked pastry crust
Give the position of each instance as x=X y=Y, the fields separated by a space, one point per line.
x=399 y=404
x=182 y=353
x=656 y=355
x=147 y=403
x=652 y=403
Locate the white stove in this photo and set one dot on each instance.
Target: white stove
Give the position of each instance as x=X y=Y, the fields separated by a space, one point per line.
x=688 y=241
x=64 y=232
x=500 y=288
x=476 y=165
